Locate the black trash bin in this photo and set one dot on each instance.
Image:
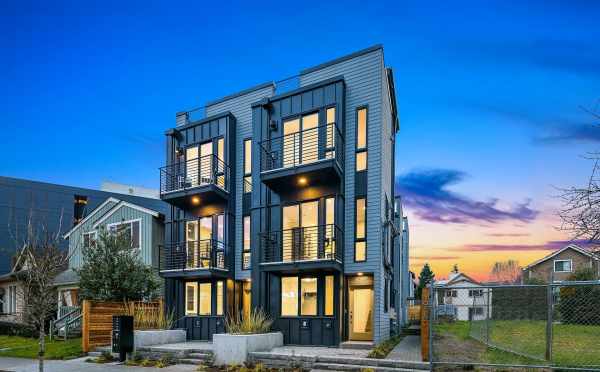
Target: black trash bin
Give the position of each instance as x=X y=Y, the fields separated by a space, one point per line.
x=122 y=335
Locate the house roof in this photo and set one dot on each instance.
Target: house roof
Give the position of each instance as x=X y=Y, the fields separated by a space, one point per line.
x=555 y=253
x=96 y=210
x=68 y=276
x=455 y=279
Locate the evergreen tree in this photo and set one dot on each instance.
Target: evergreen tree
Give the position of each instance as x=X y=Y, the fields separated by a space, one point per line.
x=425 y=277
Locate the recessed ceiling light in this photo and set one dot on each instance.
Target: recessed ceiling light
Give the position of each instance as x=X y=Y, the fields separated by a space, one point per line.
x=302 y=181
x=195 y=200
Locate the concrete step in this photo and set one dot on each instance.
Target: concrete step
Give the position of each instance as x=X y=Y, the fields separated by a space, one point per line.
x=191 y=361
x=357 y=345
x=202 y=356
x=356 y=368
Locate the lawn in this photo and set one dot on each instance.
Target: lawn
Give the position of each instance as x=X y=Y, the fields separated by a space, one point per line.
x=573 y=345
x=23 y=347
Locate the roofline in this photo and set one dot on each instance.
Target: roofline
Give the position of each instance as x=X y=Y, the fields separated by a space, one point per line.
x=110 y=199
x=569 y=246
x=342 y=59
x=240 y=93
x=177 y=129
x=335 y=79
x=122 y=204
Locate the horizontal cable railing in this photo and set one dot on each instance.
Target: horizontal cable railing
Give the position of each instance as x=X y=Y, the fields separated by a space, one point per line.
x=303 y=147
x=193 y=255
x=205 y=170
x=323 y=242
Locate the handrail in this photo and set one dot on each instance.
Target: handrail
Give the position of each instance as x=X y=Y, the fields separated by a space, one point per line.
x=193 y=255
x=201 y=171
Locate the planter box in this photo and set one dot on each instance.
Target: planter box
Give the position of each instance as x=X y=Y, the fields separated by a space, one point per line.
x=234 y=349
x=158 y=337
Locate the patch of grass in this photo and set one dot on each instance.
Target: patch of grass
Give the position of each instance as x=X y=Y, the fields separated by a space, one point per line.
x=570 y=347
x=383 y=349
x=24 y=347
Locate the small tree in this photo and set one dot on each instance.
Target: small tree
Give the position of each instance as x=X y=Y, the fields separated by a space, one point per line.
x=113 y=271
x=425 y=277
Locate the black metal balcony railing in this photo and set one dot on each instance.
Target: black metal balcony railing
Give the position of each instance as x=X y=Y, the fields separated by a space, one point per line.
x=202 y=171
x=303 y=147
x=193 y=255
x=323 y=242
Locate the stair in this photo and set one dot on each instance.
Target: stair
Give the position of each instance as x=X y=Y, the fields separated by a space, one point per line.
x=357 y=345
x=356 y=368
x=413 y=330
x=196 y=358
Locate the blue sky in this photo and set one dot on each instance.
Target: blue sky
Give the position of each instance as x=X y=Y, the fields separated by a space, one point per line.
x=490 y=95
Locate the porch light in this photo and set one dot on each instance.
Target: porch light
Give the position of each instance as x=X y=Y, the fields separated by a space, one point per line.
x=360 y=274
x=302 y=181
x=195 y=200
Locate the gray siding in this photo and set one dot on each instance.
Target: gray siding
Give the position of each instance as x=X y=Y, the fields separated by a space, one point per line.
x=364 y=86
x=148 y=225
x=241 y=107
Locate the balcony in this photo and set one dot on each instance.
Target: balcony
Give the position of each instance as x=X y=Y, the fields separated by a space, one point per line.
x=314 y=247
x=199 y=258
x=190 y=183
x=315 y=154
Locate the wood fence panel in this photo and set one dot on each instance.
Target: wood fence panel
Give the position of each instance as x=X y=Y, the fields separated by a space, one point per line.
x=425 y=308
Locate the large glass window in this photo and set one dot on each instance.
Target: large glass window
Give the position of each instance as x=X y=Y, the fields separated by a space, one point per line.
x=220 y=297
x=246 y=253
x=220 y=166
x=89 y=239
x=308 y=296
x=331 y=133
x=130 y=229
x=329 y=295
x=289 y=296
x=301 y=140
x=248 y=165
x=205 y=298
x=329 y=228
x=361 y=139
x=191 y=289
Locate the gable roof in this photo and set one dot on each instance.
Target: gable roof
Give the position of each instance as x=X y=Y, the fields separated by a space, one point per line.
x=555 y=253
x=456 y=279
x=96 y=210
x=122 y=204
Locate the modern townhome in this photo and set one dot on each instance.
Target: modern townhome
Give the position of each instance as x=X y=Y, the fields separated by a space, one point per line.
x=560 y=264
x=283 y=199
x=144 y=226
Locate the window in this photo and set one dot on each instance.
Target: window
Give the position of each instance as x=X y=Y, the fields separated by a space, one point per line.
x=289 y=296
x=361 y=139
x=220 y=297
x=246 y=253
x=130 y=229
x=562 y=266
x=360 y=245
x=475 y=292
x=89 y=239
x=300 y=140
x=247 y=165
x=331 y=133
x=220 y=166
x=308 y=299
x=12 y=299
x=451 y=293
x=205 y=299
x=330 y=228
x=191 y=289
x=475 y=311
x=329 y=295
x=386 y=295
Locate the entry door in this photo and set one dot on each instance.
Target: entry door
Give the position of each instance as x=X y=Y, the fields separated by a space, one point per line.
x=191 y=243
x=360 y=312
x=206 y=165
x=291 y=143
x=300 y=231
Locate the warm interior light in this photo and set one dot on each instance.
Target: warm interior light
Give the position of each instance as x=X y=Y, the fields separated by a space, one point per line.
x=302 y=181
x=195 y=200
x=360 y=274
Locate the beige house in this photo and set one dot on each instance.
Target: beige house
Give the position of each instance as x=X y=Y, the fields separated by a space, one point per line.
x=559 y=265
x=11 y=298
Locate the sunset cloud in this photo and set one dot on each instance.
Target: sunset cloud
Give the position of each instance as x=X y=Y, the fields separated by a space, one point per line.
x=436 y=258
x=508 y=235
x=548 y=246
x=425 y=193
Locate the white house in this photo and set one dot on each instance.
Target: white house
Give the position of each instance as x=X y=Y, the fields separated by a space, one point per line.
x=462 y=298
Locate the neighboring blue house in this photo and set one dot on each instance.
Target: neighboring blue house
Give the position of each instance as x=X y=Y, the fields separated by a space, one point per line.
x=144 y=226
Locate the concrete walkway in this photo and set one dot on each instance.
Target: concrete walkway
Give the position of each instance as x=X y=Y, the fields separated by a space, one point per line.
x=409 y=349
x=78 y=365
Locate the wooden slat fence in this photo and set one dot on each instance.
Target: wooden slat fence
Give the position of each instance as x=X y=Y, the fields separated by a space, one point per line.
x=425 y=308
x=96 y=324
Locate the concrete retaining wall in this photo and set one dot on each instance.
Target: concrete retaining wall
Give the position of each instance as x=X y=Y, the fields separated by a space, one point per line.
x=158 y=337
x=233 y=349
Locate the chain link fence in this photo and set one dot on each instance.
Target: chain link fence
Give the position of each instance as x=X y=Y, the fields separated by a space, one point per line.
x=515 y=327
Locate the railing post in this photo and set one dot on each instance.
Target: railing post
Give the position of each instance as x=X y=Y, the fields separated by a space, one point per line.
x=549 y=319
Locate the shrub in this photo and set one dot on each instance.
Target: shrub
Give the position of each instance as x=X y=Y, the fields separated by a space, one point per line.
x=256 y=322
x=147 y=363
x=149 y=316
x=17 y=329
x=580 y=304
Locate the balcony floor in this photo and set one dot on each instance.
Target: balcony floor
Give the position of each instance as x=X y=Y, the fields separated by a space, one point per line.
x=208 y=194
x=291 y=267
x=326 y=171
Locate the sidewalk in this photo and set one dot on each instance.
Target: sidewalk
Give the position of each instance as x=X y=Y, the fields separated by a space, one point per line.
x=409 y=349
x=78 y=365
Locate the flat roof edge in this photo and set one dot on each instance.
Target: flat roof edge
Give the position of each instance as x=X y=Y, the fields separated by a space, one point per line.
x=240 y=93
x=342 y=59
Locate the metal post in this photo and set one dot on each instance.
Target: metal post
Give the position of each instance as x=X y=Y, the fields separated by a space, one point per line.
x=549 y=316
x=487 y=318
x=431 y=318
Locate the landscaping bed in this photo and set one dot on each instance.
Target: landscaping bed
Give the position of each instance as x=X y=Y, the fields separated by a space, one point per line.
x=381 y=350
x=25 y=347
x=248 y=367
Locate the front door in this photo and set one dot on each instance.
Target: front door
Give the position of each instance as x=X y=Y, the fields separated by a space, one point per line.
x=360 y=308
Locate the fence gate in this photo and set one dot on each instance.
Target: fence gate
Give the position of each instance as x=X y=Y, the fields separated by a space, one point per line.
x=519 y=326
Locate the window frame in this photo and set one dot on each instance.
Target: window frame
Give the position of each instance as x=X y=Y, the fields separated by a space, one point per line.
x=249 y=250
x=321 y=300
x=138 y=220
x=364 y=238
x=245 y=174
x=473 y=291
x=193 y=312
x=570 y=261
x=359 y=150
x=93 y=240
